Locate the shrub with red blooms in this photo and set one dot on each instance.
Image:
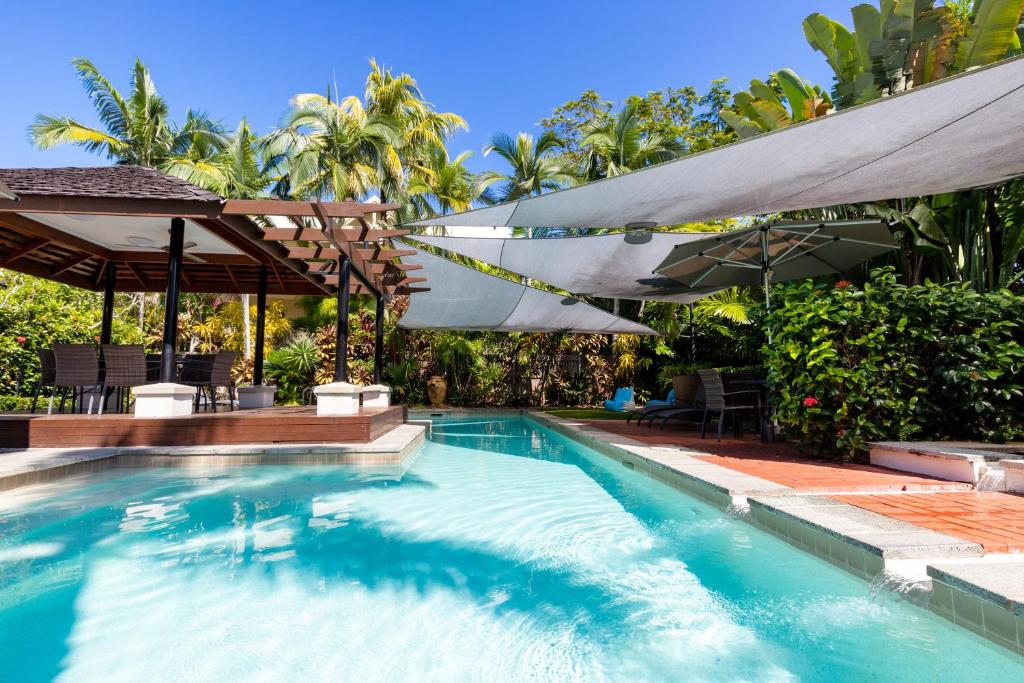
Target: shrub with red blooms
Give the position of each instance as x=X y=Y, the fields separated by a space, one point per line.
x=850 y=365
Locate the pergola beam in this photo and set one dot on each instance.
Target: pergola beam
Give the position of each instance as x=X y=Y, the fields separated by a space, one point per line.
x=343 y=235
x=71 y=263
x=278 y=207
x=24 y=250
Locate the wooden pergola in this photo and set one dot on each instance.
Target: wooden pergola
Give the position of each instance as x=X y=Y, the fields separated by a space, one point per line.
x=103 y=229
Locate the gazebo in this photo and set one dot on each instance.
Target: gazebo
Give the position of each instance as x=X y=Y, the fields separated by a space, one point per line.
x=134 y=229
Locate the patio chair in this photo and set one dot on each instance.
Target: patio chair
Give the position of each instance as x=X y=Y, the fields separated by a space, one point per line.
x=220 y=376
x=197 y=371
x=47 y=373
x=718 y=400
x=124 y=367
x=653 y=405
x=207 y=373
x=77 y=370
x=689 y=400
x=621 y=401
x=153 y=368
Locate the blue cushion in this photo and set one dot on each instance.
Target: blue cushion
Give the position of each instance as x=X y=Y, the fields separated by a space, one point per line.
x=622 y=396
x=669 y=400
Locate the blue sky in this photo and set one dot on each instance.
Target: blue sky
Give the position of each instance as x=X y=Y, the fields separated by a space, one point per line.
x=502 y=66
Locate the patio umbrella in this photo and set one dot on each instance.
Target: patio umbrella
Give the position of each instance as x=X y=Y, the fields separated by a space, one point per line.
x=776 y=252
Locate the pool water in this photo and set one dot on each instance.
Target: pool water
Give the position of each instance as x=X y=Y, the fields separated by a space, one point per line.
x=506 y=552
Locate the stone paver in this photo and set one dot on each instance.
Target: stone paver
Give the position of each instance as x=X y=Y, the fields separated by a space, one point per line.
x=994 y=520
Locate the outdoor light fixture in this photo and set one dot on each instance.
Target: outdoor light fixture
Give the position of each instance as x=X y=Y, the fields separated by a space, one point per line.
x=641 y=225
x=135 y=241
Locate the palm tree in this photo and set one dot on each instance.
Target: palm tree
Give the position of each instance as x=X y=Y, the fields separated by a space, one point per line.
x=440 y=185
x=332 y=150
x=134 y=130
x=235 y=170
x=612 y=146
x=398 y=98
x=535 y=168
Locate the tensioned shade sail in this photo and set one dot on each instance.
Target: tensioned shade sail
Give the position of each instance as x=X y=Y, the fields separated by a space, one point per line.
x=962 y=132
x=788 y=250
x=463 y=298
x=617 y=266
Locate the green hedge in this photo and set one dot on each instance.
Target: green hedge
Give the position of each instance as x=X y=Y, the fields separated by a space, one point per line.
x=11 y=403
x=852 y=365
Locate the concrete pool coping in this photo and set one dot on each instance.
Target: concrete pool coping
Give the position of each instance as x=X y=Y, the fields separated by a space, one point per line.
x=937 y=567
x=41 y=465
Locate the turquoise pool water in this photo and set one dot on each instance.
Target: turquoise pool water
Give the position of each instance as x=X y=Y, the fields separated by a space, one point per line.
x=506 y=552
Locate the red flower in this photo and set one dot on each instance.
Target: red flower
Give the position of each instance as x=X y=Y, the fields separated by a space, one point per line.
x=841 y=433
x=810 y=402
x=21 y=340
x=843 y=284
x=96 y=337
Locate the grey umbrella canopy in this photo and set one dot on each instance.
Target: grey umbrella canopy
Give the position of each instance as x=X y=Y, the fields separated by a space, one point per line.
x=776 y=252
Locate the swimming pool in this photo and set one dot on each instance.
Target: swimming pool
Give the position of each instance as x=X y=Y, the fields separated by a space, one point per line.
x=506 y=552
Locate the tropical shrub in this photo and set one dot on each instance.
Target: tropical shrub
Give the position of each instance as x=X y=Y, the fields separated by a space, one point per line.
x=852 y=365
x=36 y=314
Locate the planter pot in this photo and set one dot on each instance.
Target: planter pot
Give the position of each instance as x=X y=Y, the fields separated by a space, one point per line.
x=687 y=388
x=437 y=390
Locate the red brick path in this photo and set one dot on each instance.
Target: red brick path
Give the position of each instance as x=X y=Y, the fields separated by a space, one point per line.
x=781 y=463
x=995 y=520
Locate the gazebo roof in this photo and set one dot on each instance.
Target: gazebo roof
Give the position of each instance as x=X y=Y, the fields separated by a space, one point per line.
x=71 y=224
x=111 y=182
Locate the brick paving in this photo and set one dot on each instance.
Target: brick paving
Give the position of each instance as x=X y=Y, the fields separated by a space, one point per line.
x=781 y=463
x=995 y=520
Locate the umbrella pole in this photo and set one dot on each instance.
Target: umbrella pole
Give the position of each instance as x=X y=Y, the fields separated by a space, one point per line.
x=766 y=275
x=693 y=337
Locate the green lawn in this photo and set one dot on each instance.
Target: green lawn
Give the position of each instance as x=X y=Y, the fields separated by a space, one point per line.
x=585 y=413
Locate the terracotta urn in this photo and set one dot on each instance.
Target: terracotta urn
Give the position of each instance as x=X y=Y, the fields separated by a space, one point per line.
x=437 y=390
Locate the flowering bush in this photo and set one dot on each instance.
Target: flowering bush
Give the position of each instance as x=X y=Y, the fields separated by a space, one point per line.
x=852 y=365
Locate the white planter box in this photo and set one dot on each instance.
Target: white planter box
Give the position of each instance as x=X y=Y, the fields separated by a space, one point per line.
x=337 y=398
x=376 y=396
x=164 y=400
x=260 y=396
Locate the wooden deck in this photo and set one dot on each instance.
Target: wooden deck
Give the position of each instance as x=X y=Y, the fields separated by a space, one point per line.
x=264 y=426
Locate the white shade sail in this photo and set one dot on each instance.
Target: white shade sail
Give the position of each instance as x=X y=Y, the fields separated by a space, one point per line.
x=958 y=133
x=616 y=266
x=463 y=298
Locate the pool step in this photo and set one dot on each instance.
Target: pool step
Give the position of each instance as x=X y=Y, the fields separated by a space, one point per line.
x=982 y=465
x=864 y=543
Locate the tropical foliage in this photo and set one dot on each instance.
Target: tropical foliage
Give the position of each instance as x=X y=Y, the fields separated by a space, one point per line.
x=135 y=129
x=927 y=347
x=886 y=361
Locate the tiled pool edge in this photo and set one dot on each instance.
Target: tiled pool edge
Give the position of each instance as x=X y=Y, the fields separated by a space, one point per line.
x=790 y=516
x=397 y=449
x=976 y=597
